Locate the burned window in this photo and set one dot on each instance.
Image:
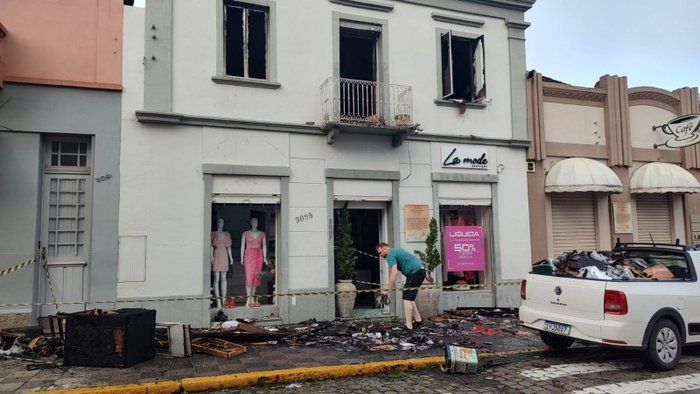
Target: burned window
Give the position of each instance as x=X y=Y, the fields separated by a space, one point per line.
x=463 y=71
x=246 y=28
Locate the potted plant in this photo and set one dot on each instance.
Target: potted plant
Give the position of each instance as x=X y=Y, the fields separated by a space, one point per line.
x=428 y=299
x=345 y=259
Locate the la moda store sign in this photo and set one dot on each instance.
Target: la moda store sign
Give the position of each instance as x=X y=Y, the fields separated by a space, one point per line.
x=462 y=157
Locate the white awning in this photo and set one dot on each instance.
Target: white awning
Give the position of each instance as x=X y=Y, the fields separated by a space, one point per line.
x=663 y=178
x=581 y=175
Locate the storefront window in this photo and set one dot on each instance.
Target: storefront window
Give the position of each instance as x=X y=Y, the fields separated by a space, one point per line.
x=461 y=215
x=250 y=231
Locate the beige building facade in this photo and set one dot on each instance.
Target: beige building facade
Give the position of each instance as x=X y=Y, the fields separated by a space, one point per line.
x=602 y=166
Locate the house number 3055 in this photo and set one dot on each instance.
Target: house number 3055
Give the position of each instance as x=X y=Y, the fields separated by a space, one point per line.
x=304 y=218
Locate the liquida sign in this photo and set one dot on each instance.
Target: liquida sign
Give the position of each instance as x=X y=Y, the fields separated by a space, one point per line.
x=684 y=131
x=464 y=248
x=461 y=157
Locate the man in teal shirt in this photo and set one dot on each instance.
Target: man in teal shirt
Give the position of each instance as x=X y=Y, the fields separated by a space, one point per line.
x=401 y=260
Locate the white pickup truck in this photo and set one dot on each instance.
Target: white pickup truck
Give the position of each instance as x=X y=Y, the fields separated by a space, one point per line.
x=656 y=316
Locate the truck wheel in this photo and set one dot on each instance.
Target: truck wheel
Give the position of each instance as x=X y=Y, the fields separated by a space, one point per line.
x=556 y=341
x=664 y=348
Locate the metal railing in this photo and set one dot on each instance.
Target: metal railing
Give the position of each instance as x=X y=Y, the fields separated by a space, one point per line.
x=366 y=103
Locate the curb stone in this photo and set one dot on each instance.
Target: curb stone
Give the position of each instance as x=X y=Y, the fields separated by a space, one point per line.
x=247 y=379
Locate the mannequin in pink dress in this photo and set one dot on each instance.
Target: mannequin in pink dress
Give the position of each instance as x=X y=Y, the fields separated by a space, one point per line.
x=221 y=258
x=253 y=254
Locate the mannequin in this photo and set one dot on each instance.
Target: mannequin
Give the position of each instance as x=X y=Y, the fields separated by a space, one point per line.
x=253 y=254
x=221 y=258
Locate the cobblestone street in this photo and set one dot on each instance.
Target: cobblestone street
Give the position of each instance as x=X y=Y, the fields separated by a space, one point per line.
x=582 y=370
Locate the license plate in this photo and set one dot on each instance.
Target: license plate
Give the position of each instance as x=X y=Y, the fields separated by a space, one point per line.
x=558 y=328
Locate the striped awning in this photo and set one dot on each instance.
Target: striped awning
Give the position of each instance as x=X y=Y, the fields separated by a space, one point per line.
x=581 y=175
x=663 y=178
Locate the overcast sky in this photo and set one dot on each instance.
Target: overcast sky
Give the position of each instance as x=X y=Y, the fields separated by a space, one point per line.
x=652 y=42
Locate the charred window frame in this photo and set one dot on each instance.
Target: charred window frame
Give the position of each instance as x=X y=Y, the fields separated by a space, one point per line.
x=461 y=67
x=247 y=43
x=246 y=29
x=379 y=26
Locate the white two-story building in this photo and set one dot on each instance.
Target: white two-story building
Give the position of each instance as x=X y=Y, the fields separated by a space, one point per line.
x=284 y=111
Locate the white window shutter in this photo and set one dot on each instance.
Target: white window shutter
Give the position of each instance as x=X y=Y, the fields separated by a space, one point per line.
x=447 y=86
x=479 y=70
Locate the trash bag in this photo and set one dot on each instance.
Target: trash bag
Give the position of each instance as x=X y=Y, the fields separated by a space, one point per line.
x=582 y=260
x=593 y=272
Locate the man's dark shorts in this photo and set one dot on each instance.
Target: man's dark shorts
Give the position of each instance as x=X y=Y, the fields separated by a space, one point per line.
x=413 y=280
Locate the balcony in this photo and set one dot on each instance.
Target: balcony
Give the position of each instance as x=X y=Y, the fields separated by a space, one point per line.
x=366 y=107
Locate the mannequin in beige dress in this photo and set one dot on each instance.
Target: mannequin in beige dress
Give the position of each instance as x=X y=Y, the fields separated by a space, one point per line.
x=220 y=239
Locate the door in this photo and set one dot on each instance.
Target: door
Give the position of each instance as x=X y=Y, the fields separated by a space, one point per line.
x=368 y=220
x=65 y=237
x=573 y=222
x=358 y=65
x=654 y=218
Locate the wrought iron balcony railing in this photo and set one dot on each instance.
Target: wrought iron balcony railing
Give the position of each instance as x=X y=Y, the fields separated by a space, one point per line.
x=366 y=103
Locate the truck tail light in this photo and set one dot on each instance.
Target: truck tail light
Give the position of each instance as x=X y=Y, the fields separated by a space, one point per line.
x=615 y=303
x=523 y=290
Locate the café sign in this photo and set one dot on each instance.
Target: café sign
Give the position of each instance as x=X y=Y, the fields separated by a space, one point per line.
x=462 y=157
x=684 y=131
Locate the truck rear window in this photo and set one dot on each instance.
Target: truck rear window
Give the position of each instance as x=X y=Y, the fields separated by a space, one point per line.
x=677 y=264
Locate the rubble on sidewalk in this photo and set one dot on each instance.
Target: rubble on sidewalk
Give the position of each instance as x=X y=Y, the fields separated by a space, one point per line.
x=217 y=347
x=173 y=339
x=609 y=266
x=239 y=331
x=486 y=330
x=29 y=342
x=483 y=329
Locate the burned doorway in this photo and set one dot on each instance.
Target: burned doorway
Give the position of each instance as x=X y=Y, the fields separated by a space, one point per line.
x=359 y=71
x=366 y=234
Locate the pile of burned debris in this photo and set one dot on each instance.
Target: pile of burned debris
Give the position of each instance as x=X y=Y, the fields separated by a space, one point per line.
x=29 y=342
x=489 y=330
x=622 y=265
x=484 y=329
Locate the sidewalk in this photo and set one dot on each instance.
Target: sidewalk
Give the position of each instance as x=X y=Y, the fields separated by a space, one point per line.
x=257 y=358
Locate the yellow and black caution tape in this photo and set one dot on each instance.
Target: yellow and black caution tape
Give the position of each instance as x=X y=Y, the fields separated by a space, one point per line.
x=291 y=294
x=367 y=283
x=17 y=267
x=367 y=254
x=48 y=276
x=26 y=264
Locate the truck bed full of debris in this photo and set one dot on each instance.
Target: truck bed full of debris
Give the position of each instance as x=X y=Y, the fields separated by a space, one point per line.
x=622 y=265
